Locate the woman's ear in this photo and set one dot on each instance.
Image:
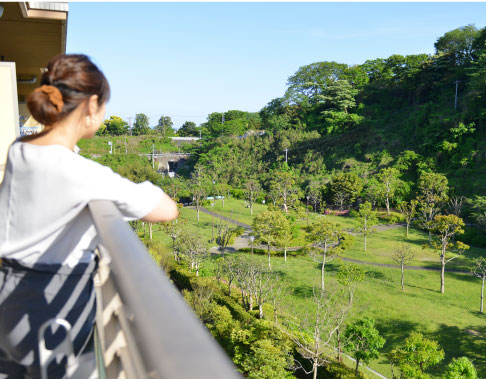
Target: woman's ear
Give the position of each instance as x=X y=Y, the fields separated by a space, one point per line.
x=93 y=105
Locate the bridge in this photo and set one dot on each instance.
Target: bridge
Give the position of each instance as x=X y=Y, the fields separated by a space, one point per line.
x=167 y=162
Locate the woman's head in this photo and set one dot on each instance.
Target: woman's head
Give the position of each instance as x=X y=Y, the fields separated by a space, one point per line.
x=69 y=81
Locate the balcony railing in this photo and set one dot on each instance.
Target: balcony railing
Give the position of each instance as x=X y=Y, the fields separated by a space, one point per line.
x=144 y=329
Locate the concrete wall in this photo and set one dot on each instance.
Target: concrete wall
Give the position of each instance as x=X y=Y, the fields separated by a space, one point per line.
x=9 y=111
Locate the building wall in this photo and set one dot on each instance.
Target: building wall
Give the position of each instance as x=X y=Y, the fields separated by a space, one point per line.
x=9 y=112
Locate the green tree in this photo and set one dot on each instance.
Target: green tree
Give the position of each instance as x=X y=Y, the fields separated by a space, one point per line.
x=349 y=275
x=141 y=125
x=269 y=228
x=252 y=191
x=389 y=180
x=461 y=368
x=116 y=126
x=458 y=43
x=418 y=354
x=199 y=187
x=366 y=220
x=446 y=227
x=408 y=210
x=164 y=126
x=284 y=184
x=188 y=129
x=432 y=195
x=363 y=340
x=345 y=188
x=322 y=235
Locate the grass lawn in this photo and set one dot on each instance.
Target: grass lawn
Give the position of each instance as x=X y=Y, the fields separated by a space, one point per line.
x=451 y=318
x=236 y=209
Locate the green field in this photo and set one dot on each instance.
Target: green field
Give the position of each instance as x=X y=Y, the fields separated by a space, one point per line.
x=451 y=318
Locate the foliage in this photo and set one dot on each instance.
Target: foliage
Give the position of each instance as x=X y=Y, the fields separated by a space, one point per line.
x=417 y=355
x=461 y=368
x=141 y=125
x=363 y=340
x=116 y=126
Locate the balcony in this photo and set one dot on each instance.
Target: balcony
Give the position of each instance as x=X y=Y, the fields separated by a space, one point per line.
x=144 y=329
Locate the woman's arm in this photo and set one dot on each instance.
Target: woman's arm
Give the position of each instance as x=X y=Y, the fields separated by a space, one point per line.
x=165 y=210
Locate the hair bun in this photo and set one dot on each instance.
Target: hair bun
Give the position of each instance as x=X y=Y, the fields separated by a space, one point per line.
x=45 y=104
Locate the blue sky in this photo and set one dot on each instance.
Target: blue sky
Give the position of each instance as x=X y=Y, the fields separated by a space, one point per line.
x=186 y=60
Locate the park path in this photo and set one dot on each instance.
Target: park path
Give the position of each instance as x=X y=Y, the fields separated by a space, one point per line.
x=243 y=241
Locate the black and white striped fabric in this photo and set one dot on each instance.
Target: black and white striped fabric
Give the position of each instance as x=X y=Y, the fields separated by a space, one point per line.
x=31 y=296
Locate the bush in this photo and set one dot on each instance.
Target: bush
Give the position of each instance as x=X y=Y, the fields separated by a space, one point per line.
x=392 y=218
x=473 y=236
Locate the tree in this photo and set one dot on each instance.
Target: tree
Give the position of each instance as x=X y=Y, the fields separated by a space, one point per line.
x=461 y=368
x=116 y=126
x=174 y=187
x=225 y=233
x=323 y=234
x=199 y=188
x=349 y=275
x=188 y=129
x=389 y=179
x=252 y=191
x=456 y=203
x=314 y=193
x=195 y=249
x=366 y=220
x=408 y=210
x=141 y=125
x=478 y=205
x=164 y=126
x=363 y=340
x=174 y=230
x=418 y=354
x=284 y=183
x=345 y=188
x=479 y=270
x=458 y=43
x=314 y=332
x=269 y=227
x=432 y=194
x=446 y=227
x=402 y=256
x=230 y=269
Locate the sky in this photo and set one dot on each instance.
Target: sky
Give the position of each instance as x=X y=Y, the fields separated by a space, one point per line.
x=187 y=60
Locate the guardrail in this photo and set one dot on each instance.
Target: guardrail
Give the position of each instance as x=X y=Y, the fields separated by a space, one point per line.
x=145 y=328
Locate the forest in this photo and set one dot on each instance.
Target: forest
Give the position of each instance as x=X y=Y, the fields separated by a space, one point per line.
x=340 y=227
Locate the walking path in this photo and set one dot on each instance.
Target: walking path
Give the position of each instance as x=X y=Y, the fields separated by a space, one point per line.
x=243 y=241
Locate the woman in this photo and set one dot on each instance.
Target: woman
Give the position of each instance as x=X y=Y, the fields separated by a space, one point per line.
x=47 y=236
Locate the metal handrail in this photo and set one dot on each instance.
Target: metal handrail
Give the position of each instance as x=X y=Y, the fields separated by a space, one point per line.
x=169 y=339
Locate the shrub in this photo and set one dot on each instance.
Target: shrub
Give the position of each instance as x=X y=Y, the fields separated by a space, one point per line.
x=473 y=236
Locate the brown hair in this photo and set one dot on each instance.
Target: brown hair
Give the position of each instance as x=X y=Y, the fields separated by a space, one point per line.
x=76 y=78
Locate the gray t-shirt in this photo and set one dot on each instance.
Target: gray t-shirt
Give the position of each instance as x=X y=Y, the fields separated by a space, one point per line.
x=43 y=198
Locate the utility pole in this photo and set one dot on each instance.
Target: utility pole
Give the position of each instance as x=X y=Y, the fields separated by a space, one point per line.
x=163 y=125
x=153 y=158
x=455 y=100
x=199 y=133
x=222 y=118
x=286 y=150
x=126 y=152
x=130 y=124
